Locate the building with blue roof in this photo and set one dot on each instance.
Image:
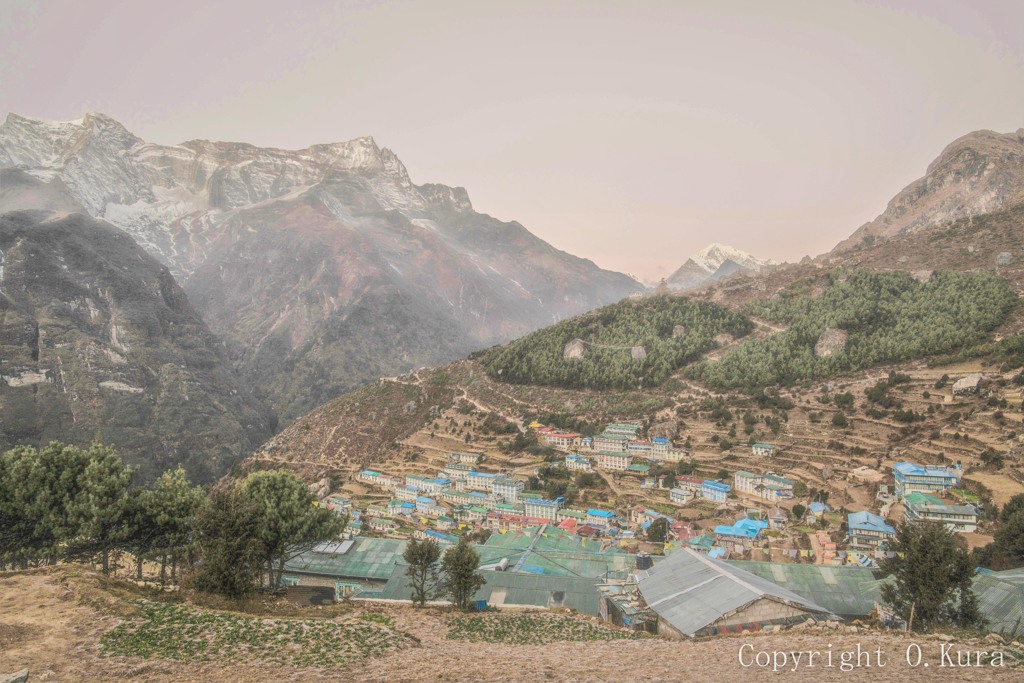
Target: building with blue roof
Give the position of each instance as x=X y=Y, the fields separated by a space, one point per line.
x=816 y=509
x=600 y=517
x=538 y=508
x=715 y=491
x=440 y=537
x=480 y=481
x=745 y=529
x=868 y=531
x=912 y=478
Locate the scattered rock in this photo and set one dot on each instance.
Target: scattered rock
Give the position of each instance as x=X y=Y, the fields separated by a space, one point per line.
x=638 y=353
x=16 y=677
x=922 y=275
x=410 y=408
x=723 y=339
x=678 y=331
x=1004 y=259
x=903 y=259
x=831 y=341
x=994 y=639
x=667 y=429
x=573 y=350
x=970 y=248
x=944 y=637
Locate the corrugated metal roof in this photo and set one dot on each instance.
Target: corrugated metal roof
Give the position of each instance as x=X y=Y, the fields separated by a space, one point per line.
x=368 y=558
x=519 y=589
x=847 y=591
x=692 y=592
x=1001 y=601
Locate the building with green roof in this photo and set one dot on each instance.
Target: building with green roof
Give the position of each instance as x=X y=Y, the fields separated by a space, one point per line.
x=849 y=592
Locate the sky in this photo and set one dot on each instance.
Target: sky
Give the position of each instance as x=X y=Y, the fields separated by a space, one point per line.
x=632 y=133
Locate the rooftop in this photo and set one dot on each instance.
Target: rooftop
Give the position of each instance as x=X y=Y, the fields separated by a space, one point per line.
x=868 y=521
x=691 y=592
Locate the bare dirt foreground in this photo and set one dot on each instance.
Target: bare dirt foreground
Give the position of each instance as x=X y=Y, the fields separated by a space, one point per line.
x=51 y=621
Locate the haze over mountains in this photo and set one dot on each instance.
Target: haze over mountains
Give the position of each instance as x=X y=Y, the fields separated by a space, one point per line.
x=322 y=268
x=304 y=274
x=987 y=239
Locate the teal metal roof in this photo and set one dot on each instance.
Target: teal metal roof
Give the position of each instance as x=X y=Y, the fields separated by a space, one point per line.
x=846 y=591
x=368 y=558
x=511 y=589
x=1001 y=601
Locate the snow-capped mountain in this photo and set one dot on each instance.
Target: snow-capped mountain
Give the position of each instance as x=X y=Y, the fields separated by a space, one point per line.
x=714 y=262
x=324 y=267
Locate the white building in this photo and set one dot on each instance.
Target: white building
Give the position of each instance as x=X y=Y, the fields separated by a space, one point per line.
x=578 y=463
x=680 y=496
x=507 y=488
x=613 y=461
x=540 y=509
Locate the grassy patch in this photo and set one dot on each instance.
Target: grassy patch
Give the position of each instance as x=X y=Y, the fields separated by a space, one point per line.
x=532 y=629
x=184 y=633
x=966 y=496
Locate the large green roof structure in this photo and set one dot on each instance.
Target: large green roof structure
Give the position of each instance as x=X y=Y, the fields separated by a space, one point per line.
x=849 y=592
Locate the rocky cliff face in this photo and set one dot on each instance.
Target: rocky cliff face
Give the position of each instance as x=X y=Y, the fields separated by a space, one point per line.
x=323 y=268
x=97 y=341
x=977 y=174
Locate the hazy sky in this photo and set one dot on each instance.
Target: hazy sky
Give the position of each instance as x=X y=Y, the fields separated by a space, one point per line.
x=631 y=133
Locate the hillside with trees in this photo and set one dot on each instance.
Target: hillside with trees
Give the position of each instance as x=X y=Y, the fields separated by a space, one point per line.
x=634 y=343
x=887 y=317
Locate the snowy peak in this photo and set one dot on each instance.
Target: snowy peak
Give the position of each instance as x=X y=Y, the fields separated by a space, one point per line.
x=715 y=262
x=711 y=258
x=172 y=199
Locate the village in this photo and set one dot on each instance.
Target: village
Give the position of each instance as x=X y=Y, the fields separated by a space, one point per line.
x=765 y=550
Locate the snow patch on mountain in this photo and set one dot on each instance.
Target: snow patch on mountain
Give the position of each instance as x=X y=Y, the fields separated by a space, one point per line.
x=711 y=258
x=714 y=262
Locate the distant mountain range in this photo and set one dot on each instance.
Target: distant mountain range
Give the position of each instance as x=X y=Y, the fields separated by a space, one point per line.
x=323 y=268
x=539 y=375
x=713 y=263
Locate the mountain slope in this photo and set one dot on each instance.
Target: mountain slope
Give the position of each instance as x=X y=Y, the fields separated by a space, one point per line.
x=714 y=262
x=976 y=174
x=324 y=268
x=98 y=342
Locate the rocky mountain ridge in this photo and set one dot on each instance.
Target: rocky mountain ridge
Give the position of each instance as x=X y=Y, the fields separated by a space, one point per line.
x=976 y=174
x=323 y=268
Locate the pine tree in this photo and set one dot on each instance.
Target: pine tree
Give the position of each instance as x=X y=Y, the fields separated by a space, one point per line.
x=422 y=558
x=932 y=573
x=291 y=522
x=228 y=536
x=162 y=521
x=36 y=493
x=461 y=580
x=101 y=509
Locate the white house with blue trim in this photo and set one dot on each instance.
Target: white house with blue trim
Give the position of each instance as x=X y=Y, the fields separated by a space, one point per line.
x=912 y=478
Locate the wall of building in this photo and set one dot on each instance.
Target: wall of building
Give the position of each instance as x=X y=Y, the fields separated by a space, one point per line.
x=763 y=610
